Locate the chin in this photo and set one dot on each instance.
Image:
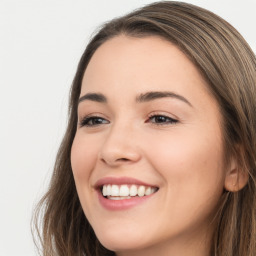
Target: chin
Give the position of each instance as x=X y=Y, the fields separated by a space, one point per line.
x=121 y=241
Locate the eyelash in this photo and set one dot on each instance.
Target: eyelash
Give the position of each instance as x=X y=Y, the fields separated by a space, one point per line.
x=86 y=120
x=167 y=120
x=162 y=120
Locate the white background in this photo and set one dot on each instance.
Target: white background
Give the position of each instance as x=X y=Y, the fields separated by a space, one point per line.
x=41 y=42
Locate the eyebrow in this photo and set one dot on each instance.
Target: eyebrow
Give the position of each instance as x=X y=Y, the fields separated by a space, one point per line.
x=144 y=97
x=98 y=97
x=149 y=96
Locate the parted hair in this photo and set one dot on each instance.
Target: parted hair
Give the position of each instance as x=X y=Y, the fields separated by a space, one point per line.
x=228 y=64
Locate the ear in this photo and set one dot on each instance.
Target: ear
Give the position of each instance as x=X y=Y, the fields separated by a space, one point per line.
x=236 y=178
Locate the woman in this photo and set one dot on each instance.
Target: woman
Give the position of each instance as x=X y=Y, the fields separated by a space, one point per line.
x=159 y=156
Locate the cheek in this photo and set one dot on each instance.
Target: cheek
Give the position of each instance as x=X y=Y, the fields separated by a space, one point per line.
x=194 y=176
x=190 y=163
x=83 y=157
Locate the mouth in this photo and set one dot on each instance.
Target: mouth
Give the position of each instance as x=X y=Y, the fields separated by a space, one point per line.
x=120 y=193
x=126 y=191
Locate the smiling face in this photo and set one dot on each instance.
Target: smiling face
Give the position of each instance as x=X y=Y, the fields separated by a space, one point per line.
x=148 y=126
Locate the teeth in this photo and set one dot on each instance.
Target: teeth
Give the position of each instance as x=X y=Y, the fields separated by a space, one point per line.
x=148 y=191
x=115 y=190
x=104 y=191
x=109 y=190
x=133 y=190
x=118 y=197
x=125 y=191
x=153 y=190
x=141 y=191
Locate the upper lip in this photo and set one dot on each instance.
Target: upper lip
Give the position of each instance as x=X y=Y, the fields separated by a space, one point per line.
x=120 y=181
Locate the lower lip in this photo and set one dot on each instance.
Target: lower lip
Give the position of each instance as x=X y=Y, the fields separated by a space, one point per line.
x=124 y=204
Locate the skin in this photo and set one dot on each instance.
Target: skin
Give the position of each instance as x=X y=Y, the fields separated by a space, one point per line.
x=184 y=159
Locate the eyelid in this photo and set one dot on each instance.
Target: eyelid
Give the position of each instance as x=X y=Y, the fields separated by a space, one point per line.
x=89 y=117
x=173 y=119
x=163 y=113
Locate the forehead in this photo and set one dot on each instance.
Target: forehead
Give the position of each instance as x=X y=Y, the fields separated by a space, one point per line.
x=141 y=64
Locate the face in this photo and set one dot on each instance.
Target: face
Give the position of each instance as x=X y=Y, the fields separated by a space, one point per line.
x=149 y=137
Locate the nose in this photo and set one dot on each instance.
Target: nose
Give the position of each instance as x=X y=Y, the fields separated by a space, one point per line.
x=120 y=147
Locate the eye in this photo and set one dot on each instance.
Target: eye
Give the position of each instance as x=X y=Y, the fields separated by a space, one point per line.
x=90 y=121
x=161 y=120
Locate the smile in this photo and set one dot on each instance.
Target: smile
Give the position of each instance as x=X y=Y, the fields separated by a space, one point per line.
x=125 y=191
x=122 y=193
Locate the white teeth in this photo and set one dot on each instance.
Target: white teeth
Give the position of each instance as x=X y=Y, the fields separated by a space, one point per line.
x=125 y=191
x=115 y=190
x=141 y=191
x=104 y=191
x=133 y=190
x=148 y=191
x=118 y=197
x=109 y=190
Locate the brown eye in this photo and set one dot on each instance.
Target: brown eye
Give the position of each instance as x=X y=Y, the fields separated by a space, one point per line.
x=160 y=119
x=93 y=121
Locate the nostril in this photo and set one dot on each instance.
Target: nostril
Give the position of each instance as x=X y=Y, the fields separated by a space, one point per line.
x=103 y=160
x=115 y=161
x=122 y=159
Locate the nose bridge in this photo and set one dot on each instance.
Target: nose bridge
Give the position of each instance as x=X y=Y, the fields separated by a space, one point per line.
x=120 y=144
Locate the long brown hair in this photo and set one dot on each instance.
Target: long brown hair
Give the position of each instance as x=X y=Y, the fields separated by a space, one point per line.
x=229 y=65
